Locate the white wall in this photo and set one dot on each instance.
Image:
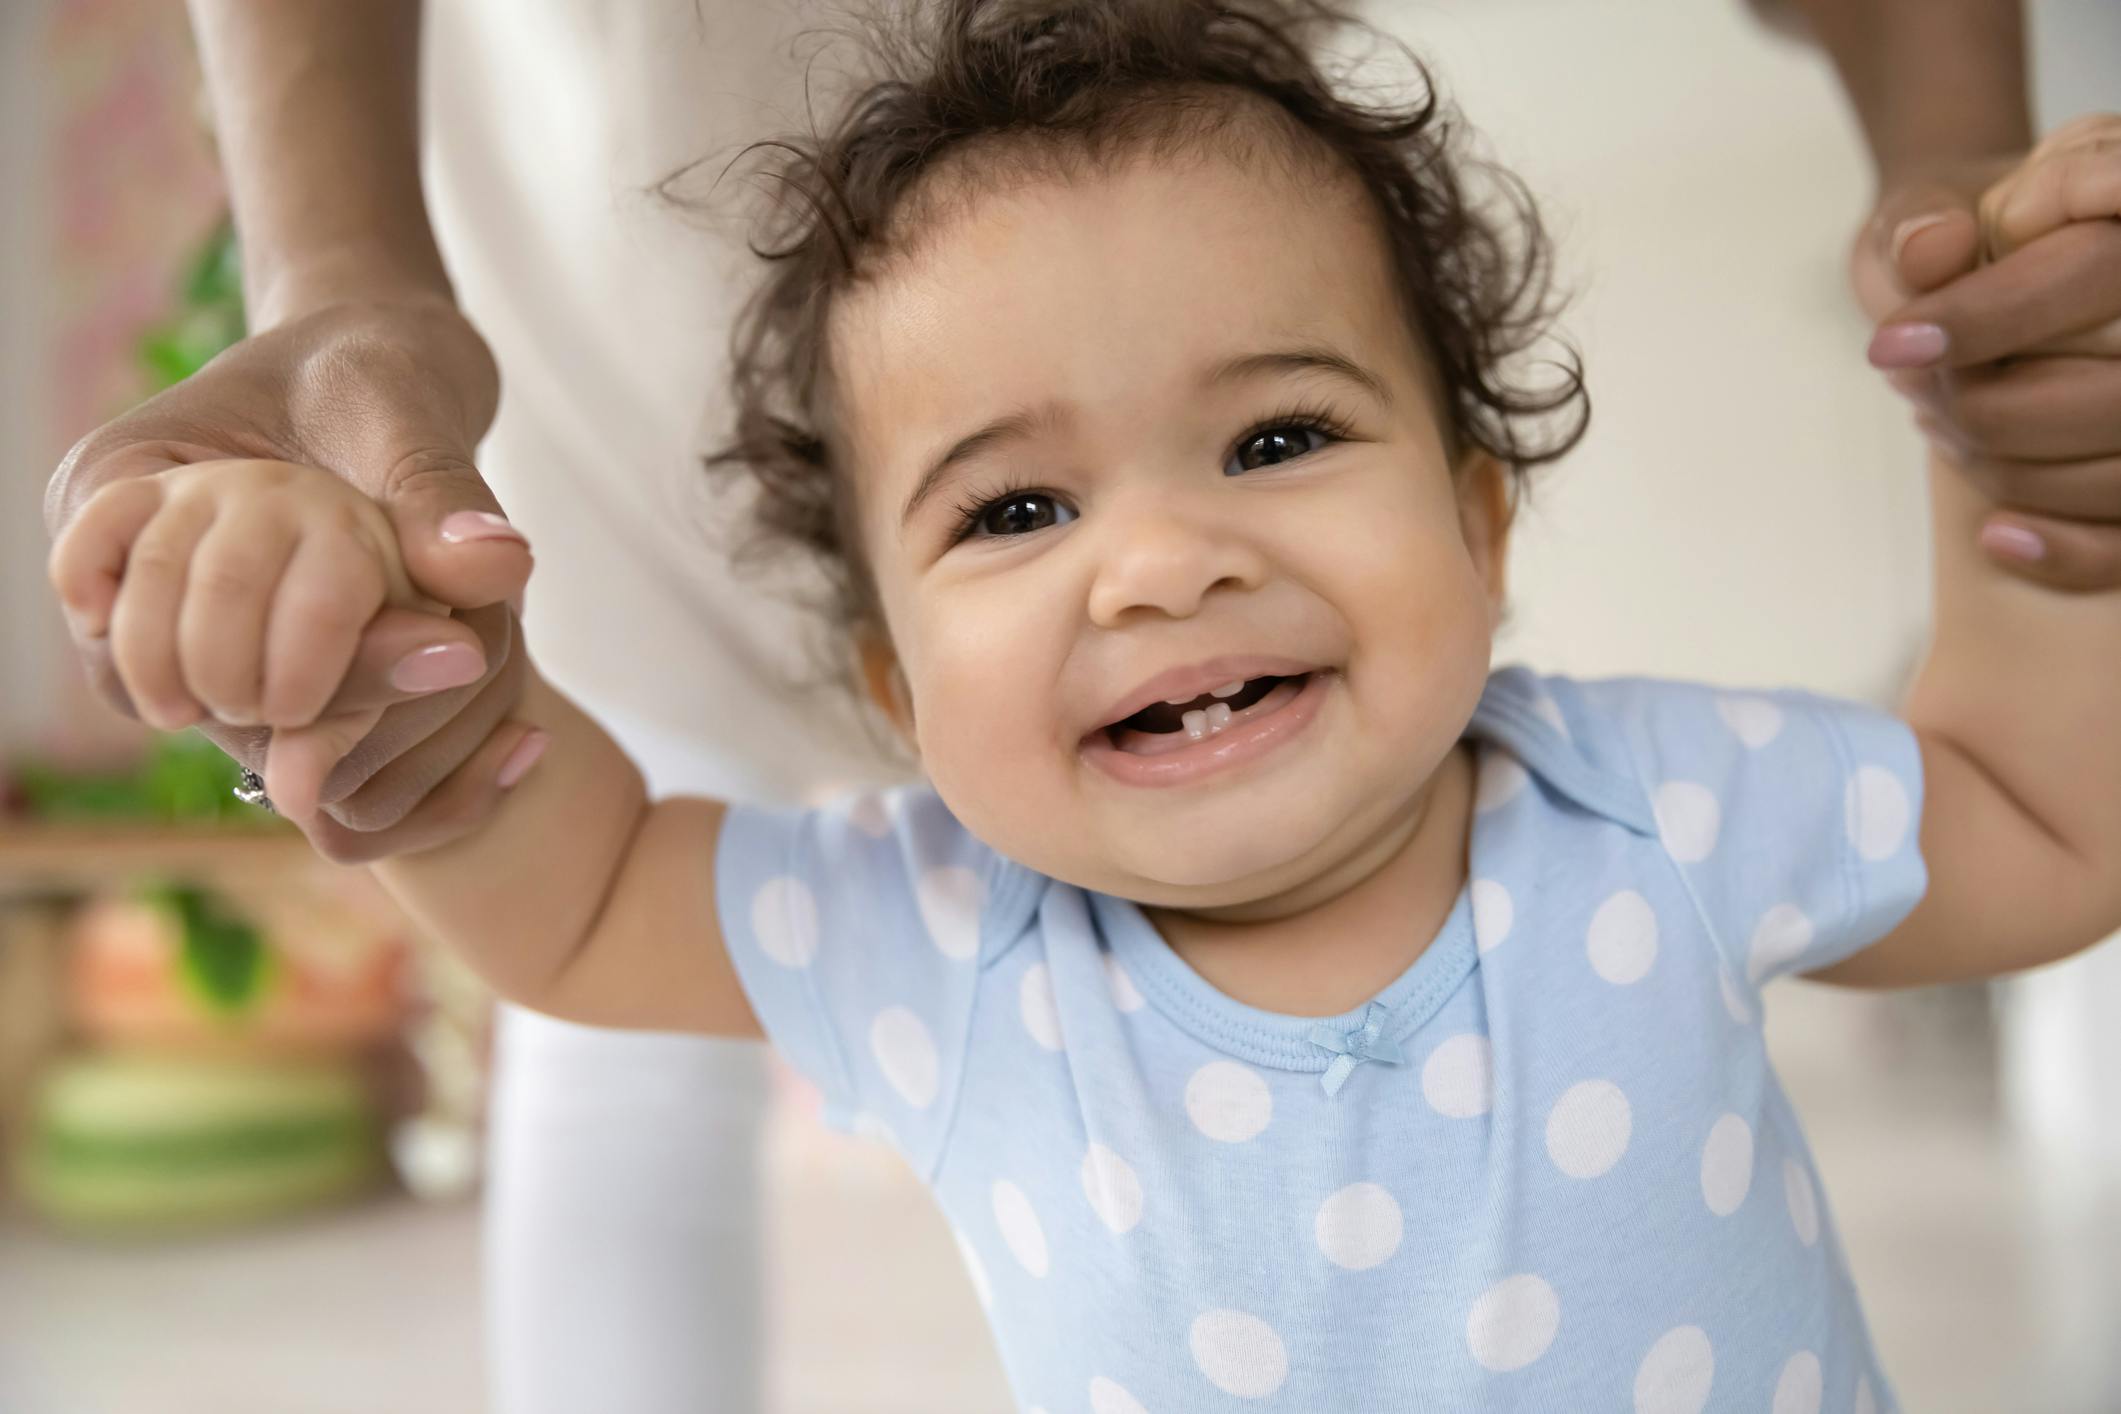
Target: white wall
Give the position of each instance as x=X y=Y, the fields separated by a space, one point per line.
x=1747 y=507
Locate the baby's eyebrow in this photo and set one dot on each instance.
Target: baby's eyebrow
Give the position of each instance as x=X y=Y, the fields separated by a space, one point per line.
x=1009 y=427
x=1314 y=358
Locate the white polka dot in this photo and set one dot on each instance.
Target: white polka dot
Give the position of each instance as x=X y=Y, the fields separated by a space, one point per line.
x=1622 y=938
x=1041 y=1013
x=1020 y=1228
x=1228 y=1101
x=870 y=815
x=1804 y=1201
x=1732 y=1001
x=1493 y=913
x=1501 y=778
x=1779 y=939
x=1358 y=1227
x=1513 y=1323
x=1549 y=711
x=1866 y=1401
x=1878 y=812
x=975 y=1269
x=1674 y=1377
x=1114 y=1191
x=1753 y=720
x=905 y=1052
x=1459 y=1077
x=1109 y=1397
x=1727 y=1165
x=1240 y=1354
x=1588 y=1128
x=1687 y=820
x=950 y=900
x=1798 y=1391
x=784 y=920
x=1125 y=995
x=869 y=1127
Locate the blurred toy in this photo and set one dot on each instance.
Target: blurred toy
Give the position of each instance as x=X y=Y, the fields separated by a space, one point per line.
x=286 y=968
x=127 y=1143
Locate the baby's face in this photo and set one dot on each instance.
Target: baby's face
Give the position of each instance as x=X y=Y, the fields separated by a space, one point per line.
x=1188 y=601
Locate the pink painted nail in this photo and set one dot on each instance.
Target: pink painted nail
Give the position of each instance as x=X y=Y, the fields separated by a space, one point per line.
x=460 y=526
x=520 y=760
x=2013 y=542
x=437 y=666
x=1908 y=345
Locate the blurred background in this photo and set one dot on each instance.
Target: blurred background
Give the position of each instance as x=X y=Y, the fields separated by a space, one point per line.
x=243 y=1107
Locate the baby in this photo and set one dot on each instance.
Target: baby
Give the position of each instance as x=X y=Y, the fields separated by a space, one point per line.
x=1287 y=1010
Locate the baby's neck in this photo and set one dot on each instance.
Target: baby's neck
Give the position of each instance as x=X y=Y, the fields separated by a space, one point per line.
x=1359 y=930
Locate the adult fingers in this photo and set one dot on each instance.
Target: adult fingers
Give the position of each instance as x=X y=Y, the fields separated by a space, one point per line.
x=418 y=743
x=2062 y=554
x=404 y=655
x=2035 y=409
x=2066 y=283
x=331 y=589
x=460 y=803
x=458 y=546
x=228 y=592
x=143 y=623
x=2087 y=490
x=299 y=758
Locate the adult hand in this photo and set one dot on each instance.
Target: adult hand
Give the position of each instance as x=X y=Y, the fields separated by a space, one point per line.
x=2014 y=365
x=391 y=396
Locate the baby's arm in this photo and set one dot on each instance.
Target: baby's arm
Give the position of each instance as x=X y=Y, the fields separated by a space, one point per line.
x=581 y=898
x=2018 y=713
x=247 y=585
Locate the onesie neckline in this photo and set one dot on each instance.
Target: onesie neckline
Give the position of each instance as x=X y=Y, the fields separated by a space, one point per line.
x=1512 y=715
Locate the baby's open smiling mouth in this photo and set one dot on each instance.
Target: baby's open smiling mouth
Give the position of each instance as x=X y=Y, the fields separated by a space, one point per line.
x=1173 y=742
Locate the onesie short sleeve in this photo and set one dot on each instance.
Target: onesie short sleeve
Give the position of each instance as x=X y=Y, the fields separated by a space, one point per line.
x=858 y=932
x=1793 y=818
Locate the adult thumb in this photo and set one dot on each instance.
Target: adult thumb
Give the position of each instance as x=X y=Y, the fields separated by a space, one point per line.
x=458 y=546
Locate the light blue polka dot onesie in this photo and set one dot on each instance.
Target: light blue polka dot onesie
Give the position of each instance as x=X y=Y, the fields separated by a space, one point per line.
x=1548 y=1168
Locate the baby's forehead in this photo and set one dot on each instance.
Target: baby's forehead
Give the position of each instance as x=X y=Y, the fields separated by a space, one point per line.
x=1141 y=265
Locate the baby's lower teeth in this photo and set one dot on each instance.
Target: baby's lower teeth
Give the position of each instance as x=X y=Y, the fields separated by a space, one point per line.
x=1200 y=724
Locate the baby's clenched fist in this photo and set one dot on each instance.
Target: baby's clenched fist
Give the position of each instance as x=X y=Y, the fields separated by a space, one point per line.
x=231 y=589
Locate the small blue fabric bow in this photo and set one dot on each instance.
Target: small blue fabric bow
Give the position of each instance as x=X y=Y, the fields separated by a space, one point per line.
x=1351 y=1048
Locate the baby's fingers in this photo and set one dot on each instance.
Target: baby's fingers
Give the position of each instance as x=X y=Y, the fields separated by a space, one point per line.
x=88 y=561
x=227 y=595
x=332 y=587
x=2075 y=175
x=143 y=623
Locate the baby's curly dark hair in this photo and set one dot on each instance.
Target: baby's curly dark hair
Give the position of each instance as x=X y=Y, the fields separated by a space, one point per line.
x=1020 y=86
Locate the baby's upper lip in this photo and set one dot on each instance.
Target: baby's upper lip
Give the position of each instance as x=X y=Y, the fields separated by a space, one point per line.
x=1196 y=678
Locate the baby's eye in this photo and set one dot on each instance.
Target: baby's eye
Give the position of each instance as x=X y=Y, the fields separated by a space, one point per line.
x=1020 y=514
x=1272 y=445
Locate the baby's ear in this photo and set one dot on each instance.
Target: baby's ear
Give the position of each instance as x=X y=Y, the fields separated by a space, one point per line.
x=885 y=682
x=1485 y=511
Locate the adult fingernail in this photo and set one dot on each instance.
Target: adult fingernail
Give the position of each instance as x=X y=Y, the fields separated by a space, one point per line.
x=2013 y=542
x=520 y=760
x=1910 y=228
x=460 y=526
x=437 y=666
x=1908 y=345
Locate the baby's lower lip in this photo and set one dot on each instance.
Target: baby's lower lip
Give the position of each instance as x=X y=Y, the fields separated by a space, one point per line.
x=1173 y=758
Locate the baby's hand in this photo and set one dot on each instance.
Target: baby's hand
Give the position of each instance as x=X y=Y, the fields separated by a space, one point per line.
x=236 y=589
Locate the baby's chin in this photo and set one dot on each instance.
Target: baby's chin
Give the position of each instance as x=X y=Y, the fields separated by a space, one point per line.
x=1200 y=869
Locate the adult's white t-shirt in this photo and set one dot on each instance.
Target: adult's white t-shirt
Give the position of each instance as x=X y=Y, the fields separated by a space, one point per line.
x=547 y=126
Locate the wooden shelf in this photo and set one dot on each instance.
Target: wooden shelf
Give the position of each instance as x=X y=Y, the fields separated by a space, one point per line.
x=46 y=859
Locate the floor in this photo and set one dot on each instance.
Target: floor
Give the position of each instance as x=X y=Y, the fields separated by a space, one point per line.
x=1990 y=1280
